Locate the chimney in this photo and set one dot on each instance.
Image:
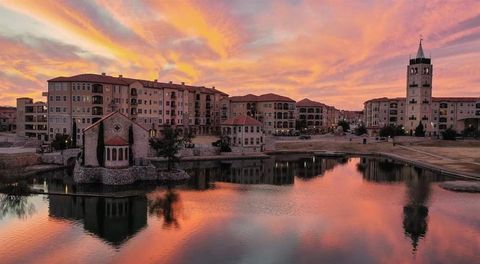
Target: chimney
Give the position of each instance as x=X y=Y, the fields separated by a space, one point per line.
x=156 y=80
x=103 y=74
x=213 y=87
x=183 y=83
x=120 y=76
x=170 y=82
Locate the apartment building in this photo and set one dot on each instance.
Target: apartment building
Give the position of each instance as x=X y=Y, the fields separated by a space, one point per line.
x=86 y=98
x=435 y=113
x=275 y=112
x=31 y=118
x=244 y=133
x=313 y=115
x=8 y=118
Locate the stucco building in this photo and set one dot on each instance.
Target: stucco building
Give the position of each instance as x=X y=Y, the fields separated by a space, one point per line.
x=86 y=98
x=275 y=112
x=435 y=113
x=244 y=134
x=31 y=118
x=119 y=150
x=8 y=118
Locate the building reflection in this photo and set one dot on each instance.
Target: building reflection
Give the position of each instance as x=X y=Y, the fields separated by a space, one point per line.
x=277 y=170
x=417 y=181
x=112 y=219
x=415 y=212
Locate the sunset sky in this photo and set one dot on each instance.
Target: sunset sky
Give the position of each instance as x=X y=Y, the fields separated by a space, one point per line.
x=336 y=52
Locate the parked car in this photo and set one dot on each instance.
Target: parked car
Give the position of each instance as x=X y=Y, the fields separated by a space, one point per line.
x=305 y=137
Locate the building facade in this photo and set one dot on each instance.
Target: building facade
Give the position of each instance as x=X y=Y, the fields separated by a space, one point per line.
x=84 y=99
x=244 y=134
x=312 y=115
x=275 y=112
x=435 y=113
x=118 y=151
x=31 y=118
x=8 y=119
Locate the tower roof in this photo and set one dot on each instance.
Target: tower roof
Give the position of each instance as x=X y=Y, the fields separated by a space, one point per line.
x=420 y=53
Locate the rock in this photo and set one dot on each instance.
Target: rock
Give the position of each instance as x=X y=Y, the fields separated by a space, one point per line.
x=461 y=186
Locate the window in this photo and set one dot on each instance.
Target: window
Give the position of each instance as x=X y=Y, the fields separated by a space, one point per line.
x=120 y=154
x=114 y=154
x=108 y=153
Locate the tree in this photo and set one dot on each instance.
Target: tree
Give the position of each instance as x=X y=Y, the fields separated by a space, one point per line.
x=449 y=134
x=60 y=142
x=130 y=145
x=83 y=150
x=419 y=130
x=301 y=124
x=168 y=146
x=391 y=131
x=360 y=130
x=344 y=124
x=101 y=145
x=74 y=135
x=188 y=136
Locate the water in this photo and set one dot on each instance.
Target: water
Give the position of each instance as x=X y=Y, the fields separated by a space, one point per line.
x=288 y=209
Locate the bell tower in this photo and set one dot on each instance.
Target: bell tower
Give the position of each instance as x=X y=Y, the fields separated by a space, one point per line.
x=419 y=93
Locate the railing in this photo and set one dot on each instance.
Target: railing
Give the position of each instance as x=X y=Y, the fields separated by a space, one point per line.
x=413 y=85
x=425 y=102
x=412 y=101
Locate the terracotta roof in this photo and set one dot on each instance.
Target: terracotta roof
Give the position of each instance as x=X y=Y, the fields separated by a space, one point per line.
x=109 y=115
x=100 y=78
x=385 y=99
x=242 y=120
x=116 y=141
x=456 y=99
x=309 y=103
x=270 y=97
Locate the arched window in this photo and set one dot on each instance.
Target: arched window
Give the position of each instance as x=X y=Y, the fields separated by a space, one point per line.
x=114 y=154
x=126 y=153
x=108 y=153
x=120 y=154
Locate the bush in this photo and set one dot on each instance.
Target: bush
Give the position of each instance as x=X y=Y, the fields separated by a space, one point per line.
x=344 y=124
x=420 y=130
x=391 y=131
x=449 y=134
x=60 y=142
x=360 y=130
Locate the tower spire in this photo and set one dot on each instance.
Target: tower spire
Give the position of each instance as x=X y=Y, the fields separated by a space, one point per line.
x=420 y=53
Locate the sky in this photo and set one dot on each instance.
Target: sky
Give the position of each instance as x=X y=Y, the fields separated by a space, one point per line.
x=340 y=53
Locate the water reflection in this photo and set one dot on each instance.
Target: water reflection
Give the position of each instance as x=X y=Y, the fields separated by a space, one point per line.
x=16 y=205
x=112 y=219
x=166 y=206
x=415 y=212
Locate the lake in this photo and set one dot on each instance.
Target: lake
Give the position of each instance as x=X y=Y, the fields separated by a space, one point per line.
x=286 y=209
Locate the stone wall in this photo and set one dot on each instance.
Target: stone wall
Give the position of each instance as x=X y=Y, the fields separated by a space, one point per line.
x=124 y=176
x=16 y=160
x=60 y=157
x=199 y=151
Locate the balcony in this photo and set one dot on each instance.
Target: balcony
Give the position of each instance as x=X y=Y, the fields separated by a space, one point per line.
x=96 y=99
x=413 y=85
x=133 y=102
x=97 y=88
x=173 y=113
x=426 y=85
x=133 y=92
x=173 y=105
x=412 y=118
x=208 y=98
x=424 y=118
x=413 y=101
x=208 y=106
x=197 y=114
x=197 y=105
x=197 y=121
x=425 y=101
x=208 y=122
x=96 y=110
x=173 y=95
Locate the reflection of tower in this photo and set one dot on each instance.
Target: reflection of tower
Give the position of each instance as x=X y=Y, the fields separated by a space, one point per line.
x=112 y=219
x=415 y=213
x=381 y=170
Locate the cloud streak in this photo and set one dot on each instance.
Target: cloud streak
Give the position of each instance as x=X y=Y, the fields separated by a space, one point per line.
x=336 y=52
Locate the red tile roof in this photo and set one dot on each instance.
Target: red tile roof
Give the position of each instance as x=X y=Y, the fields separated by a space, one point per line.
x=242 y=121
x=116 y=141
x=108 y=116
x=270 y=97
x=455 y=99
x=100 y=78
x=385 y=99
x=309 y=103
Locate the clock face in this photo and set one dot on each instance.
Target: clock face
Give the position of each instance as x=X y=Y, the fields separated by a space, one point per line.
x=117 y=128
